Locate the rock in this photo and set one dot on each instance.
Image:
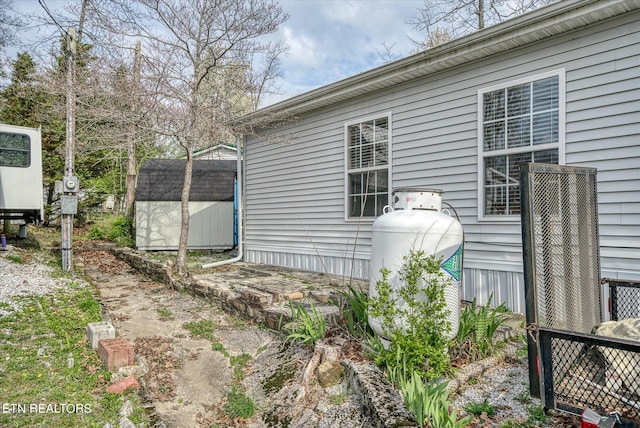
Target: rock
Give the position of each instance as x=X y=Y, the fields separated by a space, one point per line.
x=330 y=373
x=126 y=410
x=625 y=364
x=379 y=401
x=123 y=385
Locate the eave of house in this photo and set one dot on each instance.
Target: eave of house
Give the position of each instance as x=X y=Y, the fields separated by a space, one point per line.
x=557 y=18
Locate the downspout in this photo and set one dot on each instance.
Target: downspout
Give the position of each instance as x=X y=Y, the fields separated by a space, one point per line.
x=239 y=177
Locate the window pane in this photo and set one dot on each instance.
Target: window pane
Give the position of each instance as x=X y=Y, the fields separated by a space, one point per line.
x=381 y=156
x=369 y=206
x=493 y=105
x=518 y=132
x=355 y=206
x=381 y=201
x=514 y=166
x=355 y=184
x=495 y=170
x=354 y=157
x=514 y=200
x=545 y=94
x=353 y=146
x=493 y=136
x=495 y=200
x=546 y=156
x=366 y=160
x=545 y=127
x=518 y=100
x=382 y=182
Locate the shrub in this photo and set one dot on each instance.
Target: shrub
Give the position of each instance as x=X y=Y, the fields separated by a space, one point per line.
x=414 y=316
x=116 y=229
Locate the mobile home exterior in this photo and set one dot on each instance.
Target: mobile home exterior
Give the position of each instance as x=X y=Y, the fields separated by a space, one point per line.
x=558 y=85
x=21 y=194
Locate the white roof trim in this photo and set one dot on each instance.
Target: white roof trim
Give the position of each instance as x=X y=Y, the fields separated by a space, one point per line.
x=542 y=23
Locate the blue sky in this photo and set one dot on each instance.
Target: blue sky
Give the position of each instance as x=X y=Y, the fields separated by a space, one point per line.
x=330 y=40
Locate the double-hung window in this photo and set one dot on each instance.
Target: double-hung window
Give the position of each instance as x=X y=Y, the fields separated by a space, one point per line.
x=367 y=167
x=518 y=123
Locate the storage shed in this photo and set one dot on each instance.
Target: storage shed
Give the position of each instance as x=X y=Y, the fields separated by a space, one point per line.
x=211 y=206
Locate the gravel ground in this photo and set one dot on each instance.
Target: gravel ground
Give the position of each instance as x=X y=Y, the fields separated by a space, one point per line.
x=506 y=389
x=32 y=278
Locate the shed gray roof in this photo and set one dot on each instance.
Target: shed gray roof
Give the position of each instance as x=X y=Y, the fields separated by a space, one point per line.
x=162 y=180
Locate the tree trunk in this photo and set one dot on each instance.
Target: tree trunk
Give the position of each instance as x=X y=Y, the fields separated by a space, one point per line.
x=181 y=261
x=132 y=160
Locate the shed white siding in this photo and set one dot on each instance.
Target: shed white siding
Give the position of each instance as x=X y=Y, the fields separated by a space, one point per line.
x=295 y=173
x=158 y=225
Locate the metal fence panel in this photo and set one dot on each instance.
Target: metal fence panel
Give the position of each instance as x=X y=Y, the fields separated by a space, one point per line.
x=561 y=252
x=592 y=371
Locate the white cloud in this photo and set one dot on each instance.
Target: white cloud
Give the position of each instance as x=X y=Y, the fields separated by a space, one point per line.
x=330 y=40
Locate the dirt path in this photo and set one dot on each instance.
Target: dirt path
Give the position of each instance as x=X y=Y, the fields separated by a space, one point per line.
x=174 y=336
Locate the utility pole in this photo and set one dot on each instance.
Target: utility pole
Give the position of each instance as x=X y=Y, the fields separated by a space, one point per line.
x=132 y=137
x=69 y=199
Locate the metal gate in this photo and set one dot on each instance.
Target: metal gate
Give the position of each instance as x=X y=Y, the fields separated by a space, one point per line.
x=570 y=368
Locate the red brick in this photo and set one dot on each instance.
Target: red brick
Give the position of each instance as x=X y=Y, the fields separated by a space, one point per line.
x=123 y=385
x=115 y=353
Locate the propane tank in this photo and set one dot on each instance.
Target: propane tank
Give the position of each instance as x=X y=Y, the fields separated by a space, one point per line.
x=416 y=222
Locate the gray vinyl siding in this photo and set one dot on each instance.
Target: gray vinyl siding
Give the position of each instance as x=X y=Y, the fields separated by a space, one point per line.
x=295 y=185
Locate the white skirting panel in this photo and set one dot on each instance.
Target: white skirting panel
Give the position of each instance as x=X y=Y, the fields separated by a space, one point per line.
x=337 y=266
x=507 y=287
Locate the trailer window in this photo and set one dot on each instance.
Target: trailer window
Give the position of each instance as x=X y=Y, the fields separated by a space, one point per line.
x=15 y=150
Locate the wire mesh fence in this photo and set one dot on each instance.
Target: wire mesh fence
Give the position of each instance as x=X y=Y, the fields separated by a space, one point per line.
x=585 y=370
x=624 y=299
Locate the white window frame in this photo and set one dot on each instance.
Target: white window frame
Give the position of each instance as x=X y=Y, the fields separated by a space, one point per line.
x=560 y=145
x=348 y=170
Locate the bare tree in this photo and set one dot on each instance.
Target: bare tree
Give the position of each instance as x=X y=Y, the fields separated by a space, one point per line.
x=199 y=58
x=9 y=23
x=456 y=18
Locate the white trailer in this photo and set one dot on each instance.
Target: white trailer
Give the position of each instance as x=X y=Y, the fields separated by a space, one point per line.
x=21 y=195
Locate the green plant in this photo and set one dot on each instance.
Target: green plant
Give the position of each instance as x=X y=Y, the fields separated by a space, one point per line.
x=54 y=363
x=537 y=416
x=164 y=313
x=477 y=327
x=522 y=351
x=238 y=404
x=15 y=258
x=355 y=312
x=238 y=363
x=116 y=229
x=429 y=403
x=202 y=328
x=338 y=399
x=478 y=408
x=413 y=315
x=305 y=327
x=524 y=398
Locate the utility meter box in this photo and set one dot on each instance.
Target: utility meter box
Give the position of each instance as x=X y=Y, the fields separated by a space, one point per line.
x=69 y=204
x=70 y=184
